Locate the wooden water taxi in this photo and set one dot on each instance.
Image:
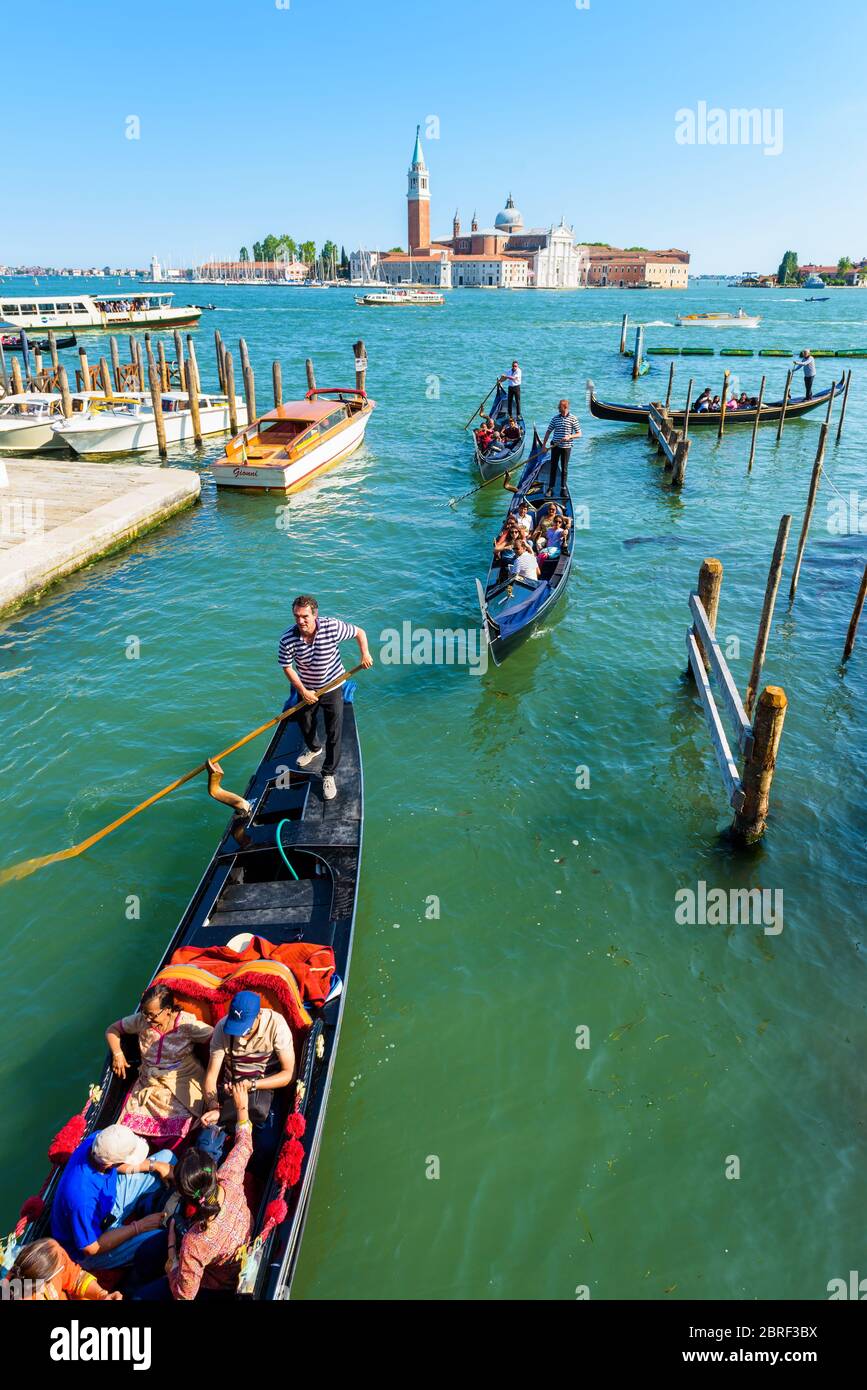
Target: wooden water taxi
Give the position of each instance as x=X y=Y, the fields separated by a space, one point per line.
x=285 y=449
x=96 y=311
x=126 y=424
x=738 y=320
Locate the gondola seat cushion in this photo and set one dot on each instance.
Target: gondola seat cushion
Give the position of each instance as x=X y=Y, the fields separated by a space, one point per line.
x=198 y=991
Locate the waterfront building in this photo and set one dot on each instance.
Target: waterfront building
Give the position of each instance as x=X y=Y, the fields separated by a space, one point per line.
x=609 y=266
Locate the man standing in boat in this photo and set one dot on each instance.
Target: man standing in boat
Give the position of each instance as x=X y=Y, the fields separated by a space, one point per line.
x=808 y=363
x=563 y=429
x=310 y=656
x=514 y=397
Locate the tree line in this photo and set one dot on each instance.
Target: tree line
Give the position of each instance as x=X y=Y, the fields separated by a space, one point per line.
x=789 y=271
x=278 y=248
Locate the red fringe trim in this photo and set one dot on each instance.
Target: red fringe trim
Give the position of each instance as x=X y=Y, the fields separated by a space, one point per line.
x=67 y=1140
x=296 y=1125
x=275 y=1212
x=289 y=1163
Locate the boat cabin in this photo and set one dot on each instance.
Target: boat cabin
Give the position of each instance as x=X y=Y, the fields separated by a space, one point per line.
x=290 y=429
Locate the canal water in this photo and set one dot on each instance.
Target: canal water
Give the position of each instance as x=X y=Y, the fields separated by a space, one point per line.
x=546 y=1082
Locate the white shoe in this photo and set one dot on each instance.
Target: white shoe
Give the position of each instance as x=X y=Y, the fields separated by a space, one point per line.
x=307 y=757
x=329 y=787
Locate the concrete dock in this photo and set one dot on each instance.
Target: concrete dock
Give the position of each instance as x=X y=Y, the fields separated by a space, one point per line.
x=56 y=517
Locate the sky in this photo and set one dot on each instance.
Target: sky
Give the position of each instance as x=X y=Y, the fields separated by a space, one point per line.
x=298 y=117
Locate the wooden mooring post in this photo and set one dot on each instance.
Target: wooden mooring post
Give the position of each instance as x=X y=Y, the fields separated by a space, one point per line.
x=623 y=327
x=165 y=375
x=843 y=406
x=65 y=394
x=748 y=794
x=686 y=409
x=756 y=426
x=670 y=385
x=218 y=353
x=105 y=379
x=669 y=442
x=360 y=365
x=17 y=378
x=723 y=400
x=115 y=361
x=639 y=349
x=856 y=615
x=52 y=348
x=277 y=380
x=157 y=403
x=138 y=359
x=311 y=377
x=766 y=619
x=193 y=388
x=85 y=370
x=229 y=375
x=808 y=511
x=179 y=358
x=786 y=394
x=249 y=381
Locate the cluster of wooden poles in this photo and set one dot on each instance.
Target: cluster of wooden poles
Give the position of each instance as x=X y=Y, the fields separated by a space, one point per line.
x=162 y=375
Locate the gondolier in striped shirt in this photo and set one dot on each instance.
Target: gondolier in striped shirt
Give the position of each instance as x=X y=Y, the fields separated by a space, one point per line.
x=310 y=656
x=514 y=397
x=563 y=429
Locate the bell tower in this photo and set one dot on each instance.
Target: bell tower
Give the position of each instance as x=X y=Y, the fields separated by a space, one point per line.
x=418 y=200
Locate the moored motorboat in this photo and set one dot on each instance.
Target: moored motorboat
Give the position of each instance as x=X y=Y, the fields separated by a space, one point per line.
x=15 y=342
x=494 y=462
x=27 y=420
x=286 y=448
x=127 y=424
x=274 y=913
x=512 y=606
x=796 y=406
x=738 y=320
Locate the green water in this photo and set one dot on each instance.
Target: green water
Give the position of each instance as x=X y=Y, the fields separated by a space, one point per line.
x=559 y=1166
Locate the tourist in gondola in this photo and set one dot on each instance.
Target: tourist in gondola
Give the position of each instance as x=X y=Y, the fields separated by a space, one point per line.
x=251 y=1044
x=513 y=397
x=704 y=400
x=563 y=430
x=511 y=431
x=167 y=1095
x=525 y=564
x=44 y=1273
x=309 y=653
x=806 y=363
x=110 y=1197
x=504 y=545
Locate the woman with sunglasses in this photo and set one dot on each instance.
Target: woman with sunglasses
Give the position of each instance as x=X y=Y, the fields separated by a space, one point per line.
x=167 y=1094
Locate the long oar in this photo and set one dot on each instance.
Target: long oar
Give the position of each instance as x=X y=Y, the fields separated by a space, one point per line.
x=481 y=403
x=29 y=866
x=498 y=477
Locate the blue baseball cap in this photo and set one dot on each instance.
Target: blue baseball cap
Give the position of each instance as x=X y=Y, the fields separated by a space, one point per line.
x=243 y=1013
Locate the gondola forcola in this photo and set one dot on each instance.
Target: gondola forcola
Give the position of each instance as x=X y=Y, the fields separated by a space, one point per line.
x=274 y=913
x=512 y=607
x=770 y=414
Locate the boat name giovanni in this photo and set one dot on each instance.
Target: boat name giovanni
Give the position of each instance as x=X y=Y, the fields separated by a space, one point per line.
x=421 y=646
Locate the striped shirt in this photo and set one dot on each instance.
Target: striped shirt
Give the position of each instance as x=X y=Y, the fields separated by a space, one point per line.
x=316 y=662
x=561 y=426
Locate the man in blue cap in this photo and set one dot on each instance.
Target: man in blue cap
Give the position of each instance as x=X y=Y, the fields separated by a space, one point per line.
x=250 y=1045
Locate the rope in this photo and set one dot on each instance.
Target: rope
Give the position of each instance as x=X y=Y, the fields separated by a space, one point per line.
x=29 y=866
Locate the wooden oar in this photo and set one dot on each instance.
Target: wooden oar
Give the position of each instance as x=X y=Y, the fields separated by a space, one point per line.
x=498 y=477
x=481 y=403
x=29 y=866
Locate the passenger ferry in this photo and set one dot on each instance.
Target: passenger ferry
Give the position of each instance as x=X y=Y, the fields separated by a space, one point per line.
x=85 y=311
x=399 y=297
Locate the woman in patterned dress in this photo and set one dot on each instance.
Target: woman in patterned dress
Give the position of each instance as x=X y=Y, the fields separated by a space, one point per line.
x=167 y=1094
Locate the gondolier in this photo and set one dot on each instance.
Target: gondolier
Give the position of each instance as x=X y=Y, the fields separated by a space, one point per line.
x=514 y=398
x=563 y=429
x=310 y=656
x=807 y=362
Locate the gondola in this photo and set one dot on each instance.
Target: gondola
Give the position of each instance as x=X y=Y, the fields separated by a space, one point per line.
x=771 y=410
x=13 y=341
x=496 y=462
x=512 y=607
x=250 y=897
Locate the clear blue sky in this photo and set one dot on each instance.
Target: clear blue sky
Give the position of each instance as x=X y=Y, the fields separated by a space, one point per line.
x=258 y=119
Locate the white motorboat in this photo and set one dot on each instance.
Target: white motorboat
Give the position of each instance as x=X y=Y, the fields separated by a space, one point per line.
x=396 y=297
x=27 y=420
x=285 y=449
x=93 y=311
x=128 y=425
x=738 y=320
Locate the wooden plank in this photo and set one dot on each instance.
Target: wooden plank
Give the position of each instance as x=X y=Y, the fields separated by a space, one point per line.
x=721 y=748
x=662 y=442
x=729 y=691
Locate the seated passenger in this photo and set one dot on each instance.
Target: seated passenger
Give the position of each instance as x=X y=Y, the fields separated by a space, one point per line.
x=525 y=565
x=484 y=435
x=524 y=518
x=250 y=1044
x=167 y=1094
x=715 y=403
x=546 y=517
x=743 y=400
x=512 y=432
x=703 y=402
x=110 y=1197
x=44 y=1273
x=732 y=403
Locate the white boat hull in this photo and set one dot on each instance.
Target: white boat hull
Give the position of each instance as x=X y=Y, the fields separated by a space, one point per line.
x=139 y=433
x=28 y=436
x=747 y=322
x=297 y=473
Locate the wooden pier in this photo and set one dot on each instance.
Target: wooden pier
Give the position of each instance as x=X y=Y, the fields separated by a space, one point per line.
x=57 y=517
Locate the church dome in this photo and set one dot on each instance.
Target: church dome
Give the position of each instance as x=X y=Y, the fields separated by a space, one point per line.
x=509 y=220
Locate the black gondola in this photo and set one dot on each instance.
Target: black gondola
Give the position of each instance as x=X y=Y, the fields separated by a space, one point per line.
x=511 y=607
x=13 y=341
x=249 y=891
x=771 y=410
x=496 y=462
